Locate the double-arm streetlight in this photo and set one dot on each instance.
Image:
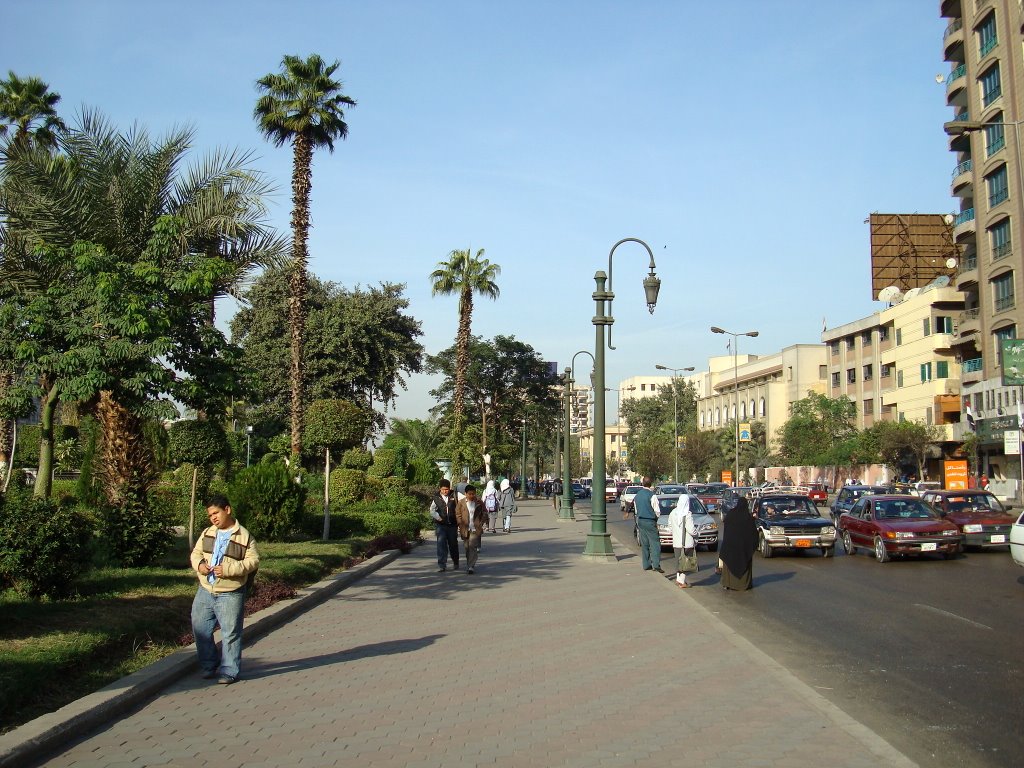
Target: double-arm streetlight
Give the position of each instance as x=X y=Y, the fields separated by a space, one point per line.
x=736 y=388
x=599 y=543
x=675 y=415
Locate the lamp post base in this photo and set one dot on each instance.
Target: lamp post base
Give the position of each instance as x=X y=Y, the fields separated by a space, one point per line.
x=565 y=513
x=599 y=548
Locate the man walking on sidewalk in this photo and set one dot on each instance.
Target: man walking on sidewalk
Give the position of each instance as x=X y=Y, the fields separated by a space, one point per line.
x=446 y=531
x=472 y=519
x=646 y=507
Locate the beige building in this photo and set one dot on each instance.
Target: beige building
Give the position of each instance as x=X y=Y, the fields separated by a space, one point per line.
x=982 y=44
x=614 y=443
x=764 y=386
x=899 y=364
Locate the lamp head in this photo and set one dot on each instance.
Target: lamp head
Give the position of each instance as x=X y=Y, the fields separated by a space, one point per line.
x=660 y=367
x=716 y=329
x=689 y=368
x=652 y=285
x=751 y=334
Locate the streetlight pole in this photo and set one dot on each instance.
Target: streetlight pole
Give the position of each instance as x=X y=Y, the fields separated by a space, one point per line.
x=522 y=471
x=675 y=415
x=736 y=390
x=248 y=445
x=568 y=500
x=599 y=545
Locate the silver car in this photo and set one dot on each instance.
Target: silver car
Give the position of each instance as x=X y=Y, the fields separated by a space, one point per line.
x=705 y=526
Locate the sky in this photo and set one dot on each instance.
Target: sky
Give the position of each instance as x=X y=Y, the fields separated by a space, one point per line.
x=746 y=142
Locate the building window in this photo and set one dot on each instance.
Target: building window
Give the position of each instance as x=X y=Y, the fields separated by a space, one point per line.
x=991 y=86
x=752 y=409
x=868 y=372
x=899 y=337
x=999 y=237
x=851 y=375
x=926 y=372
x=834 y=347
x=943 y=324
x=998 y=186
x=942 y=369
x=902 y=417
x=899 y=378
x=822 y=372
x=869 y=407
x=762 y=408
x=1001 y=335
x=885 y=371
x=995 y=138
x=928 y=415
x=702 y=419
x=654 y=387
x=718 y=416
x=927 y=323
x=1002 y=289
x=743 y=409
x=987 y=39
x=643 y=387
x=851 y=344
x=835 y=379
x=883 y=333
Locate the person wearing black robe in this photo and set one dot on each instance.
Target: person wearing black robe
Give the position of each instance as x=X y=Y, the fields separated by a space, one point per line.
x=737 y=550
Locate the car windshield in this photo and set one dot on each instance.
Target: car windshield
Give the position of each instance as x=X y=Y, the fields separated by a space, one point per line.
x=631 y=490
x=667 y=503
x=903 y=509
x=671 y=489
x=974 y=503
x=789 y=507
x=856 y=493
x=705 y=490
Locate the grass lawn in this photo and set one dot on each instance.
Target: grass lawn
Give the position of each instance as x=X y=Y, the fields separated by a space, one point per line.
x=53 y=652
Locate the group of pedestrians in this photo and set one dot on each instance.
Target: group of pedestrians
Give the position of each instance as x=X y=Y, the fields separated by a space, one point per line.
x=463 y=515
x=737 y=538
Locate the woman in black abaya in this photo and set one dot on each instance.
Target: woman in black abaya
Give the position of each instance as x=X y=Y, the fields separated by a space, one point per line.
x=738 y=544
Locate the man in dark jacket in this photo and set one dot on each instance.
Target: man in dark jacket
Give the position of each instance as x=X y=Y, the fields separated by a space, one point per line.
x=446 y=527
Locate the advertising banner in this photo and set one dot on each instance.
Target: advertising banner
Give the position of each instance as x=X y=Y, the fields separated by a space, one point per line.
x=1013 y=362
x=727 y=476
x=956 y=475
x=744 y=432
x=1011 y=442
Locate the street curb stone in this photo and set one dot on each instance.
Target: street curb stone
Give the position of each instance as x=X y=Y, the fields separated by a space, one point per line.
x=37 y=737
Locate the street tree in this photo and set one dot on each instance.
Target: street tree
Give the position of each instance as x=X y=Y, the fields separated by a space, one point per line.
x=302 y=105
x=464 y=275
x=28 y=112
x=817 y=425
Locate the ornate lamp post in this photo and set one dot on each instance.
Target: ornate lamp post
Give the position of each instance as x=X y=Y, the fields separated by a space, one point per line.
x=522 y=471
x=675 y=415
x=599 y=544
x=565 y=509
x=736 y=389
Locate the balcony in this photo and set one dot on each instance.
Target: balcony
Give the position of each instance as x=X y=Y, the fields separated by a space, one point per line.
x=1005 y=302
x=943 y=341
x=969 y=323
x=963 y=179
x=1001 y=251
x=976 y=365
x=987 y=47
x=998 y=197
x=956 y=87
x=964 y=167
x=954 y=26
x=956 y=74
x=963 y=223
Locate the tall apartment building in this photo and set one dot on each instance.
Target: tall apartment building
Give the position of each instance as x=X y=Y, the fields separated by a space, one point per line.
x=898 y=364
x=985 y=85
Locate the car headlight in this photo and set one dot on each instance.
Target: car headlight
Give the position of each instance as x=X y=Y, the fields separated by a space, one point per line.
x=777 y=530
x=954 y=533
x=968 y=529
x=904 y=535
x=828 y=530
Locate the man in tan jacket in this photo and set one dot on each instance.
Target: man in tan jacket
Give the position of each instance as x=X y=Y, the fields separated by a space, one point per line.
x=225 y=561
x=472 y=519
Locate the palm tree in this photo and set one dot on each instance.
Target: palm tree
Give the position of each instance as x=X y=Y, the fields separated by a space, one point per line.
x=303 y=105
x=464 y=275
x=29 y=107
x=424 y=437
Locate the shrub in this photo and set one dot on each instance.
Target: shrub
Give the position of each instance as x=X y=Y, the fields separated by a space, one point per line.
x=333 y=424
x=392 y=487
x=357 y=458
x=267 y=500
x=197 y=442
x=374 y=488
x=43 y=546
x=388 y=462
x=26 y=452
x=404 y=516
x=386 y=542
x=139 y=531
x=347 y=485
x=423 y=472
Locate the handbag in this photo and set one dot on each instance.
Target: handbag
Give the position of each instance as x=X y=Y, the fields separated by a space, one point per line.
x=688 y=561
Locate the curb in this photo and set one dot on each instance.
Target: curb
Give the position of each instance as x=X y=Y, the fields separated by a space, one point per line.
x=38 y=737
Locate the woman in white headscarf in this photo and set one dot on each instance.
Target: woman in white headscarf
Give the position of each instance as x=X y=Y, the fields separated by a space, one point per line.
x=507 y=504
x=680 y=522
x=490 y=502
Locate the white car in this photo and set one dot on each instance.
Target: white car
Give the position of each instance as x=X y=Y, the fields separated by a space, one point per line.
x=1017 y=541
x=626 y=499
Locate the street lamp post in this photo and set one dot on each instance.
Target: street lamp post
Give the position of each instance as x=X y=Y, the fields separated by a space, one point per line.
x=736 y=390
x=522 y=471
x=568 y=500
x=599 y=545
x=248 y=445
x=675 y=415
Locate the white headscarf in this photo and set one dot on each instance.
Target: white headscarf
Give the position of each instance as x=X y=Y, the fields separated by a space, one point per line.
x=680 y=522
x=505 y=484
x=489 y=490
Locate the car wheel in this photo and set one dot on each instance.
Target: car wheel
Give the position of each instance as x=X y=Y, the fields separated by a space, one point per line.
x=766 y=548
x=880 y=554
x=826 y=551
x=848 y=544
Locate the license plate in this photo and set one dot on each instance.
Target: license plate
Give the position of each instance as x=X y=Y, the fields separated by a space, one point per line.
x=929 y=546
x=998 y=538
x=802 y=543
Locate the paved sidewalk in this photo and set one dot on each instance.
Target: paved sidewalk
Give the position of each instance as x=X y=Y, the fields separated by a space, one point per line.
x=540 y=658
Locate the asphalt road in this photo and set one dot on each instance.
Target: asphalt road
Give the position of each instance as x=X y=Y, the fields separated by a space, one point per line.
x=926 y=652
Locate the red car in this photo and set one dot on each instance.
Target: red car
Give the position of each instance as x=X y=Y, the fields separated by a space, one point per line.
x=818 y=493
x=897 y=525
x=980 y=516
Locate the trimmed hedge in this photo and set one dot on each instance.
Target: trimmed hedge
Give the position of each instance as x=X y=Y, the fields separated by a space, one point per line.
x=347 y=486
x=357 y=458
x=267 y=500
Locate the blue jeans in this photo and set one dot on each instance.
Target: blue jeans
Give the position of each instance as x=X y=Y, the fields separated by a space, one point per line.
x=223 y=609
x=650 y=543
x=447 y=543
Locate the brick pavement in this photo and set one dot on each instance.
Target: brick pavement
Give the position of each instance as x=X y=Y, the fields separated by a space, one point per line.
x=538 y=659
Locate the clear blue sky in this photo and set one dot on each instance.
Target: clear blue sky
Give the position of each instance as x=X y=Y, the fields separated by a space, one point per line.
x=745 y=141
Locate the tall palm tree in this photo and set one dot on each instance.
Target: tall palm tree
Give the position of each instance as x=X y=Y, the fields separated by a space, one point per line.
x=29 y=106
x=464 y=275
x=303 y=104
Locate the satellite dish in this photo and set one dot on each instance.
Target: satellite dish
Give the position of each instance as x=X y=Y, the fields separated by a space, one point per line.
x=948 y=218
x=890 y=294
x=911 y=293
x=939 y=79
x=941 y=281
x=952 y=263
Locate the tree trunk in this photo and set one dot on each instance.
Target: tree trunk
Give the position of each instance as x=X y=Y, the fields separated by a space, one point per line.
x=327 y=494
x=192 y=509
x=126 y=460
x=462 y=355
x=47 y=409
x=302 y=183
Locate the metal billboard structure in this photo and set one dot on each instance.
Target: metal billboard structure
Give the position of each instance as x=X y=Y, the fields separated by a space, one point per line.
x=910 y=250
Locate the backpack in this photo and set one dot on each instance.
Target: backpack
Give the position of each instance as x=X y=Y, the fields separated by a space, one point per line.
x=491 y=503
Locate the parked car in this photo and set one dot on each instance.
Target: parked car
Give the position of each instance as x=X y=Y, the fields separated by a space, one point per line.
x=982 y=519
x=626 y=498
x=579 y=491
x=792 y=521
x=705 y=526
x=669 y=488
x=620 y=486
x=849 y=494
x=890 y=524
x=710 y=494
x=818 y=492
x=1017 y=541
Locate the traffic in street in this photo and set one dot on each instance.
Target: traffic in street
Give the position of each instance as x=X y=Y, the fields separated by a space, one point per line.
x=923 y=650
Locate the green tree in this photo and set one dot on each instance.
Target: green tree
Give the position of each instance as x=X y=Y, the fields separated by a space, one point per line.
x=699 y=452
x=29 y=107
x=652 y=457
x=464 y=275
x=358 y=344
x=423 y=436
x=303 y=105
x=903 y=443
x=817 y=424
